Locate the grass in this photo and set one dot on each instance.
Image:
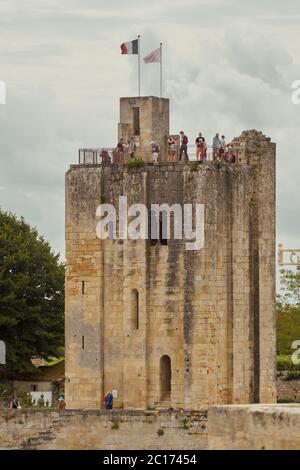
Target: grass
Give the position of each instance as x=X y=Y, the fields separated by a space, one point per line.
x=288 y=330
x=53 y=361
x=284 y=362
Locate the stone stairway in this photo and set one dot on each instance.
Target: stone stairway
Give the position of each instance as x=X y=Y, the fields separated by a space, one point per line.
x=44 y=437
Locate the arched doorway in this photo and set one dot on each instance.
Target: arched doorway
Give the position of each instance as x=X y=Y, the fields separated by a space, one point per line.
x=165 y=378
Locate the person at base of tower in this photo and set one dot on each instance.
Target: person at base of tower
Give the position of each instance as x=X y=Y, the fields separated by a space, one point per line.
x=61 y=404
x=200 y=148
x=108 y=401
x=183 y=147
x=155 y=152
x=14 y=402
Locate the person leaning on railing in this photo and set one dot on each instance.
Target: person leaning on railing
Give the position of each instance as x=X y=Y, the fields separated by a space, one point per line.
x=201 y=148
x=131 y=147
x=171 y=149
x=104 y=156
x=155 y=152
x=126 y=146
x=216 y=144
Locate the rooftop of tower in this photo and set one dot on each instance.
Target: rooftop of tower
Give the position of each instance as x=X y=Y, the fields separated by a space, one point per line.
x=144 y=136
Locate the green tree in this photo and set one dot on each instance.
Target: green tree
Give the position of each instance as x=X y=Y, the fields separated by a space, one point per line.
x=31 y=296
x=288 y=311
x=290 y=286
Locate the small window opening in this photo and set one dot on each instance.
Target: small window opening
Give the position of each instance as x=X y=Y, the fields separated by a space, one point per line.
x=135 y=321
x=165 y=378
x=136 y=121
x=163 y=220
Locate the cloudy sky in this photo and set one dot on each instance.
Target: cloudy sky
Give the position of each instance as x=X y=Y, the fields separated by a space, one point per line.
x=228 y=66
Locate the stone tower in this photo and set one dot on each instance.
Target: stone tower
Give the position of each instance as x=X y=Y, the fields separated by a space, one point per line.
x=146 y=119
x=161 y=325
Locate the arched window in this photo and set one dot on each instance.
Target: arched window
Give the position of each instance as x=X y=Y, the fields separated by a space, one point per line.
x=135 y=310
x=165 y=378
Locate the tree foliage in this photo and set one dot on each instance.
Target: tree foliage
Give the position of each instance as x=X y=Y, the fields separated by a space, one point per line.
x=288 y=311
x=290 y=287
x=31 y=296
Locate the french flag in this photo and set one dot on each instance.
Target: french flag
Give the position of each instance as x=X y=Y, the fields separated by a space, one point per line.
x=131 y=47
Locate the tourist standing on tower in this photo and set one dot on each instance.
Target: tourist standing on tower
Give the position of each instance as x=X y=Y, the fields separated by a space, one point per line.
x=119 y=152
x=171 y=149
x=216 y=146
x=155 y=152
x=126 y=146
x=183 y=147
x=132 y=147
x=200 y=147
x=223 y=143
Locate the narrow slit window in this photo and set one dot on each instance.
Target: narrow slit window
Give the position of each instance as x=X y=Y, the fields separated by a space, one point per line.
x=162 y=229
x=135 y=320
x=165 y=378
x=136 y=121
x=82 y=342
x=83 y=287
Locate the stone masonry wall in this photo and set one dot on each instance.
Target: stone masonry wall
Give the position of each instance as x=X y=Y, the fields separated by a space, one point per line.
x=254 y=427
x=154 y=123
x=287 y=389
x=236 y=427
x=211 y=310
x=92 y=430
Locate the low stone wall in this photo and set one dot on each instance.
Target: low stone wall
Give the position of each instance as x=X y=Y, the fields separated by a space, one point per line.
x=107 y=430
x=287 y=389
x=254 y=427
x=241 y=427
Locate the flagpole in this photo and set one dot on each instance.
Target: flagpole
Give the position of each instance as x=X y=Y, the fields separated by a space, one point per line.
x=139 y=65
x=161 y=69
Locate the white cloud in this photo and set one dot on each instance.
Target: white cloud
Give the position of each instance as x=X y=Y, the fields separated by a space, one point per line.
x=228 y=66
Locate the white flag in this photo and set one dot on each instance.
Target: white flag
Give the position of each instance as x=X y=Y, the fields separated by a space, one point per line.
x=154 y=56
